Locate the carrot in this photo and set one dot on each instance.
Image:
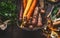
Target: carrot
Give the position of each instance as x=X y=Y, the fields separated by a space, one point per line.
x=52 y=29
x=21 y=12
x=26 y=11
x=31 y=9
x=27 y=8
x=56 y=23
x=24 y=3
x=50 y=26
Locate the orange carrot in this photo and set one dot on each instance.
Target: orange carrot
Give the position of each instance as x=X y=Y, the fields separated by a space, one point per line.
x=31 y=9
x=24 y=3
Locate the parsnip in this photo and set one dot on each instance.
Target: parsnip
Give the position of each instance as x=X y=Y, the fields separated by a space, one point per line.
x=56 y=23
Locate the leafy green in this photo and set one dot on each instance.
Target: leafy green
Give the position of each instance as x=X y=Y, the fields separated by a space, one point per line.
x=8 y=9
x=54 y=12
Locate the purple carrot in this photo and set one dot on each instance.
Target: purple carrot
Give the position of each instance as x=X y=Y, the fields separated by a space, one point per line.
x=21 y=12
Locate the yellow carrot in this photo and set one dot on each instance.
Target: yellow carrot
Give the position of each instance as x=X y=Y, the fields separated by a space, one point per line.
x=31 y=9
x=27 y=8
x=29 y=2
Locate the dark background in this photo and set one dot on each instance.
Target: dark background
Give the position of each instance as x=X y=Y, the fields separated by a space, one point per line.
x=13 y=31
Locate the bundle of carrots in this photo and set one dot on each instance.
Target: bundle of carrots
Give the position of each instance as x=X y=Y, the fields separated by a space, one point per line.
x=29 y=6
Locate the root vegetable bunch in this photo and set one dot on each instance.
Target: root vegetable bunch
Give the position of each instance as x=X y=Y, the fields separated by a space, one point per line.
x=31 y=13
